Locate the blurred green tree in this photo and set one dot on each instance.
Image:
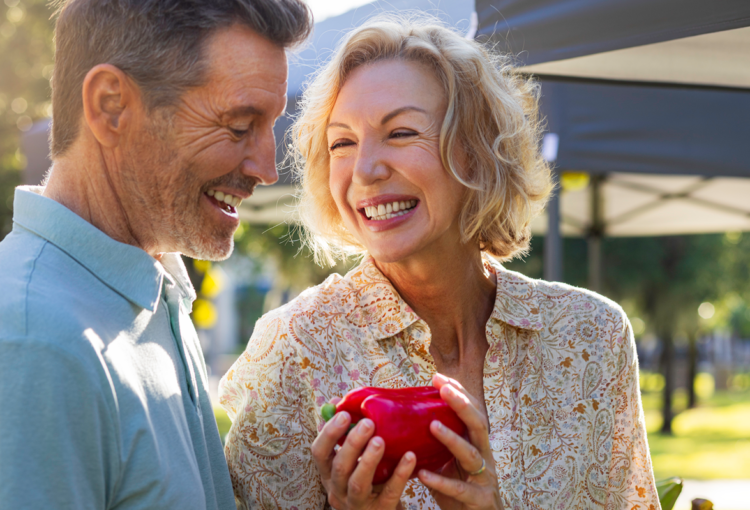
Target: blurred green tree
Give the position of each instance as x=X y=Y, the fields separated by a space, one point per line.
x=26 y=58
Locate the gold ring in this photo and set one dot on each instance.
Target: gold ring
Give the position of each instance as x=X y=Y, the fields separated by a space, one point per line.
x=480 y=470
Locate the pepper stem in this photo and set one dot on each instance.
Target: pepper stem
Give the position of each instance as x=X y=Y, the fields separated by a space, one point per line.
x=327 y=411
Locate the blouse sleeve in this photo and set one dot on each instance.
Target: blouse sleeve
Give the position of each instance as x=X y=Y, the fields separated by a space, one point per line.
x=631 y=473
x=270 y=402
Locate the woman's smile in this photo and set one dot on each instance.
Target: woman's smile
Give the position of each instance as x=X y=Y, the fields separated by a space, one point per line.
x=385 y=212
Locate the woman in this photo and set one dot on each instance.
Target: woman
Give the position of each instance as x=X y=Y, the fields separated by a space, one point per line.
x=420 y=149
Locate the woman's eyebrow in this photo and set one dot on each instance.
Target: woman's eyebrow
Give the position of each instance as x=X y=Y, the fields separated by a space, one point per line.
x=399 y=111
x=338 y=125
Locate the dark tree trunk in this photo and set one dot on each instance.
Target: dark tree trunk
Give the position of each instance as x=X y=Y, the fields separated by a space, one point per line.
x=692 y=370
x=667 y=363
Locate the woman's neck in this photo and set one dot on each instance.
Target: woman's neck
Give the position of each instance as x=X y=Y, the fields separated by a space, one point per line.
x=452 y=292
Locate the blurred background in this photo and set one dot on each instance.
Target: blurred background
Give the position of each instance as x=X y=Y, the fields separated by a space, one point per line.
x=649 y=143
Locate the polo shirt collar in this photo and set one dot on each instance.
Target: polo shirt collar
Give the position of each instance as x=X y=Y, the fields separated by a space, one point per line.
x=126 y=269
x=387 y=314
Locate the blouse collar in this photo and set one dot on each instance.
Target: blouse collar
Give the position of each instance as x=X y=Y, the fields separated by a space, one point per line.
x=387 y=314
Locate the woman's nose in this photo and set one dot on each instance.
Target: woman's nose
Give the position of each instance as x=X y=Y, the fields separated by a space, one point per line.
x=370 y=167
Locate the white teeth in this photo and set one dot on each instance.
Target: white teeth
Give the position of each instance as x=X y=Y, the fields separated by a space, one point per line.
x=226 y=198
x=388 y=211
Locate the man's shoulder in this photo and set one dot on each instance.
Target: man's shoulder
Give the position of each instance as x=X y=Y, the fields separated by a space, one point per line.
x=19 y=252
x=49 y=297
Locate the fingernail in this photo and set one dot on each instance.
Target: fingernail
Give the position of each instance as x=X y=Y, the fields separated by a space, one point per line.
x=409 y=456
x=438 y=425
x=341 y=418
x=365 y=425
x=423 y=473
x=376 y=442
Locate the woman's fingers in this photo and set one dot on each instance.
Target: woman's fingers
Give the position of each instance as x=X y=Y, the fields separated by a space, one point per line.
x=475 y=420
x=439 y=380
x=469 y=457
x=459 y=490
x=346 y=458
x=390 y=496
x=360 y=483
x=322 y=447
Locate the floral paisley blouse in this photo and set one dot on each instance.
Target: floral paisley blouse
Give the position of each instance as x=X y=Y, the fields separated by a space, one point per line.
x=560 y=383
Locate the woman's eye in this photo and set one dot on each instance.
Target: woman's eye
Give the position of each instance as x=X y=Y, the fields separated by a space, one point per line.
x=402 y=134
x=340 y=143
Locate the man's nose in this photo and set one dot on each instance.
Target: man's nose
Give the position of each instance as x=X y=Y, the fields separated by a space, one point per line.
x=370 y=166
x=260 y=159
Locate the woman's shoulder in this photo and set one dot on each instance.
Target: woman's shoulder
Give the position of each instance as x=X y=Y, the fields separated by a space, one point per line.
x=581 y=313
x=334 y=295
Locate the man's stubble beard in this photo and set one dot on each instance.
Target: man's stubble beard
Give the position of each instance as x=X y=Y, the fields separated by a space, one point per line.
x=167 y=193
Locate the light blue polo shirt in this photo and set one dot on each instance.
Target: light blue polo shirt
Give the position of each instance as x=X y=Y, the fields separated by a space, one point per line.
x=103 y=386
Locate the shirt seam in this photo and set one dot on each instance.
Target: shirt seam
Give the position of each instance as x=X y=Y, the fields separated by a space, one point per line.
x=26 y=290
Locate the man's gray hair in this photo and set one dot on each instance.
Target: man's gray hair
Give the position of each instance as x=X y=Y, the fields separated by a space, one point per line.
x=158 y=43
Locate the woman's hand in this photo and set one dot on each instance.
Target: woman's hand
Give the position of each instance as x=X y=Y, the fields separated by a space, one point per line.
x=347 y=474
x=470 y=482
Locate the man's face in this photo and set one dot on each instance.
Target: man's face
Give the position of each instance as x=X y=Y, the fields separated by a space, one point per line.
x=185 y=173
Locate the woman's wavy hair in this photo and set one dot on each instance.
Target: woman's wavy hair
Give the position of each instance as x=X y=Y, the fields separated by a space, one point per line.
x=489 y=140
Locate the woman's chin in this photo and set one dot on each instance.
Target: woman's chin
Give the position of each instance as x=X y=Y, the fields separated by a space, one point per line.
x=389 y=256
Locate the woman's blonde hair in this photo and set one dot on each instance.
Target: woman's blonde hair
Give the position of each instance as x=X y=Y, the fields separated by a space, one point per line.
x=489 y=140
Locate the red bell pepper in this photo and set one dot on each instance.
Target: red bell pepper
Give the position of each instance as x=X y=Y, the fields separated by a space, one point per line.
x=402 y=417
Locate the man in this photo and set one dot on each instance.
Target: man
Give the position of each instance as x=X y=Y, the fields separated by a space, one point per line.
x=162 y=123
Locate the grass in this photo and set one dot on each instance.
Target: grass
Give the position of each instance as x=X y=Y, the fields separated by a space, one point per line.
x=711 y=441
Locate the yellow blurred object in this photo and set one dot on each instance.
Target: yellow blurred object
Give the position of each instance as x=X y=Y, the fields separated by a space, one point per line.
x=704 y=385
x=204 y=314
x=212 y=283
x=702 y=504
x=574 y=181
x=202 y=266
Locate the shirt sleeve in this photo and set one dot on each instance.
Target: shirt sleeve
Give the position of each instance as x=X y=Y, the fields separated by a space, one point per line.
x=56 y=430
x=631 y=472
x=267 y=395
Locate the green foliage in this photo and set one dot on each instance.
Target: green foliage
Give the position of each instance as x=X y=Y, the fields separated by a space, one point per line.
x=26 y=56
x=665 y=279
x=669 y=490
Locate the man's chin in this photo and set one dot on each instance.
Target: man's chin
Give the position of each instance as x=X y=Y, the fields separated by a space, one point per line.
x=210 y=249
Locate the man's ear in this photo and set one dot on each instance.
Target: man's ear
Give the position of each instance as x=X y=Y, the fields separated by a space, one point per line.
x=110 y=100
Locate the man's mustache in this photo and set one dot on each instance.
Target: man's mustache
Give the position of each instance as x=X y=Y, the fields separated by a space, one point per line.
x=235 y=181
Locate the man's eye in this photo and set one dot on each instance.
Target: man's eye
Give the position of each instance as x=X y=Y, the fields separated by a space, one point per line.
x=239 y=133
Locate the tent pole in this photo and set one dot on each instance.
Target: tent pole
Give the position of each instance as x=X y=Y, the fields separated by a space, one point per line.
x=553 y=256
x=596 y=233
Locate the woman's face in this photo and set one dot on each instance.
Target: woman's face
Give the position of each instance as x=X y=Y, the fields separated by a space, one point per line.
x=386 y=177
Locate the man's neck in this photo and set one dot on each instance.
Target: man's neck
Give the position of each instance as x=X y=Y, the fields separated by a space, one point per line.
x=87 y=187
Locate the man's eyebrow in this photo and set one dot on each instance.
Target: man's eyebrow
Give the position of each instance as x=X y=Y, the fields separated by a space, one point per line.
x=398 y=111
x=242 y=111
